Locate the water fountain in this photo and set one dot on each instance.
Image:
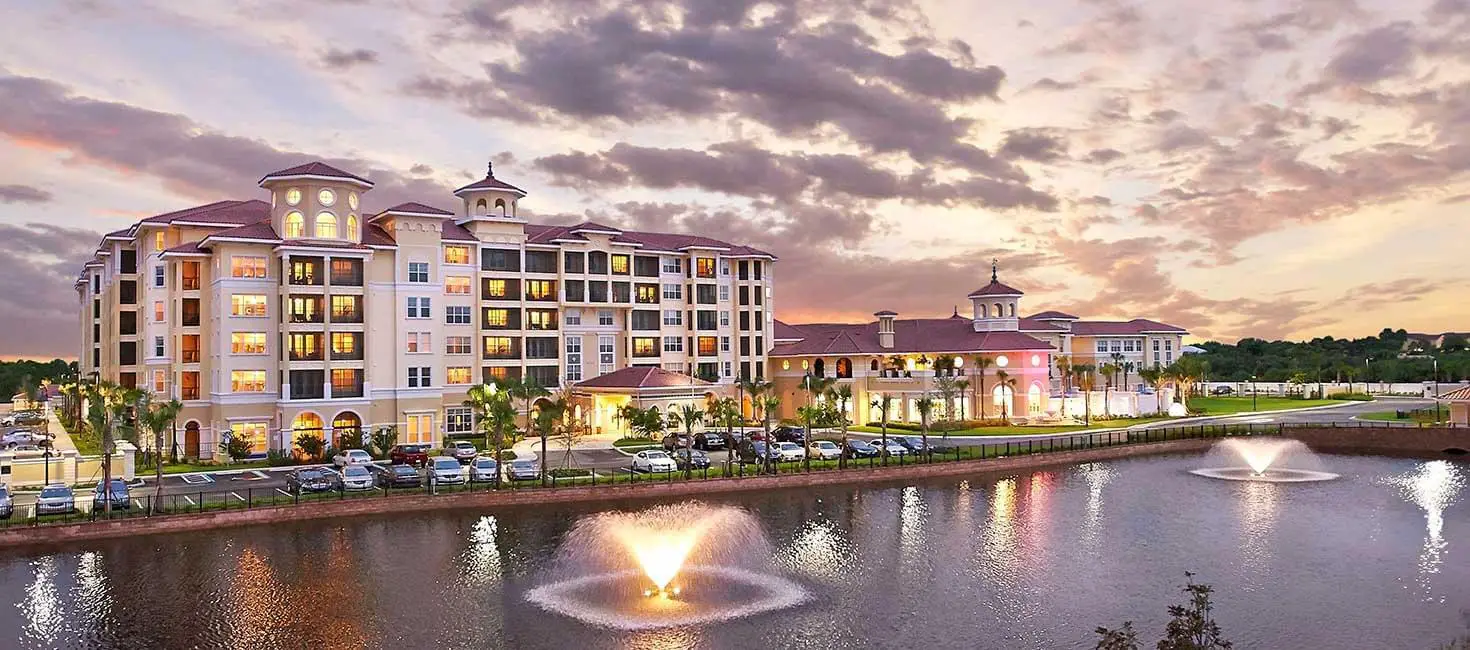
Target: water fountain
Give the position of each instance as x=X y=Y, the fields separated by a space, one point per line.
x=669 y=565
x=1275 y=460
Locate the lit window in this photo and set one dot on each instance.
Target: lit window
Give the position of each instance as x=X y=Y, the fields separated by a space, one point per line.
x=247 y=343
x=496 y=288
x=704 y=267
x=326 y=197
x=293 y=196
x=707 y=345
x=253 y=432
x=645 y=347
x=457 y=375
x=419 y=342
x=158 y=311
x=247 y=381
x=620 y=264
x=344 y=345
x=295 y=225
x=420 y=428
x=459 y=419
x=1001 y=361
x=352 y=227
x=456 y=254
x=326 y=225
x=497 y=318
x=352 y=200
x=158 y=240
x=247 y=305
x=247 y=267
x=456 y=345
x=540 y=289
x=418 y=271
x=158 y=381
x=498 y=346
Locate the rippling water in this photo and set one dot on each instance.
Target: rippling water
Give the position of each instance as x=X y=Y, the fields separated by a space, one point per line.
x=1377 y=559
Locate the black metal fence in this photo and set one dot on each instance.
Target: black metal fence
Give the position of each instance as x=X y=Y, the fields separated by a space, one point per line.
x=146 y=503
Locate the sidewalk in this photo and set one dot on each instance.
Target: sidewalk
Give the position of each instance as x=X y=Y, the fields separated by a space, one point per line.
x=61 y=440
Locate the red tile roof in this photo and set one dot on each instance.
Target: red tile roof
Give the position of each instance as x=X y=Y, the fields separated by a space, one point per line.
x=1135 y=326
x=414 y=208
x=917 y=335
x=593 y=226
x=647 y=241
x=451 y=231
x=316 y=169
x=781 y=331
x=1457 y=395
x=224 y=213
x=191 y=248
x=489 y=182
x=376 y=236
x=642 y=377
x=1052 y=315
x=261 y=230
x=995 y=288
x=1032 y=325
x=320 y=243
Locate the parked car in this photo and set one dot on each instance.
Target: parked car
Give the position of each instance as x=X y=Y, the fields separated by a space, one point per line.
x=893 y=449
x=709 y=440
x=787 y=433
x=523 y=469
x=311 y=479
x=26 y=449
x=416 y=455
x=755 y=451
x=7 y=506
x=676 y=441
x=446 y=470
x=462 y=450
x=483 y=468
x=860 y=449
x=21 y=437
x=913 y=443
x=1221 y=390
x=824 y=450
x=790 y=451
x=29 y=417
x=54 y=499
x=653 y=460
x=356 y=477
x=393 y=476
x=691 y=459
x=118 y=493
x=352 y=457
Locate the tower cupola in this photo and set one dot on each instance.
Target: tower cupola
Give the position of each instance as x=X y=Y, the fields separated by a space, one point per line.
x=996 y=304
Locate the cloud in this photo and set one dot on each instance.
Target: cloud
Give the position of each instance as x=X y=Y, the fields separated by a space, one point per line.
x=38 y=265
x=1033 y=144
x=1375 y=55
x=1103 y=156
x=23 y=194
x=346 y=59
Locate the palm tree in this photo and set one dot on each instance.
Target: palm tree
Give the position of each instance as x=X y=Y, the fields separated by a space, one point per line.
x=1155 y=379
x=1005 y=381
x=946 y=387
x=727 y=414
x=842 y=394
x=1117 y=366
x=158 y=417
x=754 y=388
x=815 y=387
x=1082 y=372
x=478 y=399
x=495 y=414
x=767 y=403
x=525 y=390
x=925 y=405
x=107 y=412
x=1109 y=372
x=685 y=417
x=961 y=386
x=884 y=404
x=546 y=423
x=982 y=363
x=1127 y=367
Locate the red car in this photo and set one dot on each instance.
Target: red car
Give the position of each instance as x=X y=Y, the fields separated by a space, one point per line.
x=416 y=455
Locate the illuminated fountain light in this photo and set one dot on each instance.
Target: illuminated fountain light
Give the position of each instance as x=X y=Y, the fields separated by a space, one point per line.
x=1274 y=460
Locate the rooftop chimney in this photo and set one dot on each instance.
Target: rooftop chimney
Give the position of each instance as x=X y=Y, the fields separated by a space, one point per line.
x=885 y=328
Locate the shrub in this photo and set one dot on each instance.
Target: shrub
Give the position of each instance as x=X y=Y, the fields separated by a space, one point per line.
x=896 y=426
x=310 y=445
x=1355 y=397
x=569 y=472
x=507 y=454
x=237 y=447
x=278 y=458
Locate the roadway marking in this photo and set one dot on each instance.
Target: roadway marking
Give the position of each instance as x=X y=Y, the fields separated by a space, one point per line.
x=237 y=496
x=196 y=479
x=283 y=492
x=261 y=474
x=138 y=504
x=191 y=501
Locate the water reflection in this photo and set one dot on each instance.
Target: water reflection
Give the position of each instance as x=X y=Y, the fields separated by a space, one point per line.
x=91 y=588
x=818 y=551
x=911 y=514
x=482 y=559
x=254 y=600
x=42 y=607
x=1257 y=506
x=1433 y=486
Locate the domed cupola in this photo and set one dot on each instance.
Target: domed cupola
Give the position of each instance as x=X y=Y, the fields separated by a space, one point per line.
x=996 y=304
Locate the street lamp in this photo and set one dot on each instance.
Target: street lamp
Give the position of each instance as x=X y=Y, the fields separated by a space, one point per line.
x=1436 y=389
x=1253 y=393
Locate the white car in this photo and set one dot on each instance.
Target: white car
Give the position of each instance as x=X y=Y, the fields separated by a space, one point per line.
x=790 y=451
x=483 y=469
x=356 y=477
x=894 y=449
x=446 y=469
x=824 y=450
x=352 y=457
x=653 y=460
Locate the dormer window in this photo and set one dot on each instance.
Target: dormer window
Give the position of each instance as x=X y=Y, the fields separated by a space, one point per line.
x=326 y=225
x=352 y=227
x=293 y=196
x=295 y=225
x=326 y=197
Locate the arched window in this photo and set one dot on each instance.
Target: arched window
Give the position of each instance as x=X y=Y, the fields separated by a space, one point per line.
x=480 y=207
x=873 y=366
x=326 y=225
x=819 y=369
x=1000 y=311
x=306 y=421
x=984 y=310
x=500 y=204
x=295 y=225
x=347 y=425
x=352 y=227
x=844 y=368
x=1011 y=310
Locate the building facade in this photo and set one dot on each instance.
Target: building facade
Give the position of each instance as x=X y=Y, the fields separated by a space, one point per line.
x=300 y=314
x=908 y=359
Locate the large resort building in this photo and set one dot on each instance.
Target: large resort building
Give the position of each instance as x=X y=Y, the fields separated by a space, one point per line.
x=300 y=314
x=907 y=359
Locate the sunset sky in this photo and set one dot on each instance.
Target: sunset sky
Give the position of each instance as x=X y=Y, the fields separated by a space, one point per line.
x=1268 y=168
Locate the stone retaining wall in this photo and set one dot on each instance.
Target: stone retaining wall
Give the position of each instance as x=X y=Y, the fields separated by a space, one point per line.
x=1389 y=441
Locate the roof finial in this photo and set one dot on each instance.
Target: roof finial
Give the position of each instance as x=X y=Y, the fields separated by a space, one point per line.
x=994 y=270
x=956 y=311
x=490 y=169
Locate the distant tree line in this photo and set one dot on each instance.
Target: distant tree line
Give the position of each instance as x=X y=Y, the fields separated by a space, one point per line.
x=27 y=375
x=1389 y=357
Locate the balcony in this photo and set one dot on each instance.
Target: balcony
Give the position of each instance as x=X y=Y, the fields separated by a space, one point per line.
x=346 y=273
x=305 y=309
x=189 y=278
x=306 y=272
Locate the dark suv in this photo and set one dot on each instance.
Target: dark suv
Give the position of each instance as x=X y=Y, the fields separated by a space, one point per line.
x=416 y=455
x=787 y=433
x=709 y=440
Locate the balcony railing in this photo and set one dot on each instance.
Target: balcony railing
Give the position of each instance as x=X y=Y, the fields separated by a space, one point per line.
x=189 y=356
x=346 y=391
x=189 y=392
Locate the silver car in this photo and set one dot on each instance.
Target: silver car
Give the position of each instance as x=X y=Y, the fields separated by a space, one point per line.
x=357 y=477
x=484 y=469
x=56 y=499
x=7 y=506
x=445 y=470
x=462 y=450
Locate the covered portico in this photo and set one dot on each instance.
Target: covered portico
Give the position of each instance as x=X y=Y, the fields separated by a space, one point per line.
x=1459 y=403
x=601 y=398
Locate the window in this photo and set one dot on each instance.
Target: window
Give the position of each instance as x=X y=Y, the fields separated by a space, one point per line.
x=1102 y=346
x=574 y=358
x=189 y=385
x=352 y=227
x=497 y=289
x=306 y=270
x=419 y=343
x=673 y=344
x=757 y=276
x=346 y=382
x=724 y=293
x=457 y=285
x=574 y=262
x=540 y=290
x=457 y=315
x=542 y=375
x=673 y=291
x=498 y=319
x=724 y=344
x=305 y=346
x=1117 y=346
x=540 y=319
x=158 y=275
x=620 y=264
x=622 y=292
x=744 y=296
x=158 y=241
x=673 y=265
x=347 y=346
x=725 y=269
x=457 y=345
x=346 y=272
x=251 y=305
x=540 y=262
x=419 y=429
x=745 y=321
x=597 y=291
x=189 y=348
x=705 y=294
x=572 y=316
x=307 y=384
x=459 y=419
x=158 y=311
x=326 y=197
x=346 y=309
x=159 y=383
x=604 y=317
x=644 y=319
x=647 y=293
x=597 y=263
x=500 y=259
x=500 y=347
x=305 y=309
x=674 y=367
x=326 y=225
x=127 y=261
x=605 y=354
x=1128 y=346
x=419 y=307
x=1156 y=345
x=704 y=319
x=726 y=369
x=247 y=343
x=674 y=317
x=541 y=347
x=704 y=267
x=253 y=432
x=418 y=271
x=707 y=346
x=456 y=254
x=127 y=292
x=419 y=377
x=96 y=284
x=247 y=381
x=724 y=319
x=127 y=323
x=1168 y=345
x=458 y=375
x=189 y=277
x=645 y=346
x=644 y=266
x=158 y=346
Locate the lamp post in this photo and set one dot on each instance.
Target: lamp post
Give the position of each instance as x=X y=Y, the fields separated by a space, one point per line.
x=1253 y=393
x=1436 y=389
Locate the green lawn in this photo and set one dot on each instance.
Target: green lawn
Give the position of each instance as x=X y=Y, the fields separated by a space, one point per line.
x=1022 y=430
x=1224 y=405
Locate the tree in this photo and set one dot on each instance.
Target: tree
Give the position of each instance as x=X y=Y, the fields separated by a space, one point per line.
x=884 y=404
x=1007 y=383
x=1108 y=371
x=685 y=417
x=478 y=399
x=982 y=363
x=1082 y=375
x=494 y=415
x=946 y=387
x=754 y=388
x=1123 y=638
x=525 y=390
x=644 y=423
x=1064 y=370
x=925 y=405
x=312 y=446
x=842 y=395
x=727 y=414
x=768 y=403
x=1191 y=625
x=569 y=431
x=545 y=425
x=815 y=387
x=109 y=408
x=961 y=387
x=1155 y=379
x=384 y=437
x=158 y=417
